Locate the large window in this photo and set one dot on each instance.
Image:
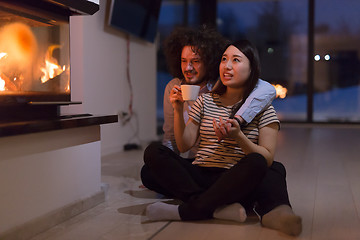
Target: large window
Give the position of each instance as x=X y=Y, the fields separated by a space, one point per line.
x=279 y=30
x=309 y=49
x=336 y=61
x=321 y=85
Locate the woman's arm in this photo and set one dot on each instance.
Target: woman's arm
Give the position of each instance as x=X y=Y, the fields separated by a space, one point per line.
x=168 y=126
x=185 y=135
x=267 y=138
x=266 y=145
x=259 y=99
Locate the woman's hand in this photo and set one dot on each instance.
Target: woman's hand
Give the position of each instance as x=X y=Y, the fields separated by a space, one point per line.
x=233 y=128
x=267 y=137
x=176 y=98
x=223 y=129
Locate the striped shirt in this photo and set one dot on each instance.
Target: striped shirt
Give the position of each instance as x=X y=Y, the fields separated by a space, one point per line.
x=227 y=153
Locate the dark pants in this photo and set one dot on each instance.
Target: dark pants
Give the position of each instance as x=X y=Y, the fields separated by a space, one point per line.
x=204 y=189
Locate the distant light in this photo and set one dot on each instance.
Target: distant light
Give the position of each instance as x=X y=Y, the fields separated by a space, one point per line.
x=317 y=57
x=270 y=50
x=280 y=91
x=327 y=57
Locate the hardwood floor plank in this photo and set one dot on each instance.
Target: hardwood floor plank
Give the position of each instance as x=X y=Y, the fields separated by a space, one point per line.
x=323 y=167
x=335 y=215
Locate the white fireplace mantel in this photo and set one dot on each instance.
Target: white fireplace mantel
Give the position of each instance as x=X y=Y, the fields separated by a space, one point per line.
x=47 y=177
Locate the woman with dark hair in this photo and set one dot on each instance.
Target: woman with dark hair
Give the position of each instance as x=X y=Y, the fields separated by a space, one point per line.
x=193 y=56
x=251 y=53
x=239 y=169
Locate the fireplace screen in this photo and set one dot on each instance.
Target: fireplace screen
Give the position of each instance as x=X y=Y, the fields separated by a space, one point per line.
x=34 y=58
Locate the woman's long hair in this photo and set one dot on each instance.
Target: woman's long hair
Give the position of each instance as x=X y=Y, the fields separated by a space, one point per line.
x=251 y=53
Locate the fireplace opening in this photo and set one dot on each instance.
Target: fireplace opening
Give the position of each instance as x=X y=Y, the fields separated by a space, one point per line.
x=34 y=61
x=35 y=56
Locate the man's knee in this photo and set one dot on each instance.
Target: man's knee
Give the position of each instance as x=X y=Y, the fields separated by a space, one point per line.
x=144 y=173
x=146 y=177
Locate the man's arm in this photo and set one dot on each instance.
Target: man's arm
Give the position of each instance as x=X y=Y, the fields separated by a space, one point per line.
x=259 y=99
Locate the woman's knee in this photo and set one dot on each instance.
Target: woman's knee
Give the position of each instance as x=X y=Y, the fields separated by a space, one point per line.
x=279 y=167
x=151 y=151
x=257 y=161
x=253 y=164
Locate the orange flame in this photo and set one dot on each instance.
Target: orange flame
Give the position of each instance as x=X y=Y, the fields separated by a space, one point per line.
x=2 y=84
x=2 y=55
x=51 y=69
x=280 y=91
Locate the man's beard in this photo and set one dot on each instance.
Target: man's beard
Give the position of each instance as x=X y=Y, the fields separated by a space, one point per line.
x=194 y=80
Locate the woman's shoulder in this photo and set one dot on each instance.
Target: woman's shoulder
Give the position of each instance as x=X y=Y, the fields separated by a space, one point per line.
x=210 y=97
x=204 y=96
x=270 y=108
x=268 y=116
x=207 y=99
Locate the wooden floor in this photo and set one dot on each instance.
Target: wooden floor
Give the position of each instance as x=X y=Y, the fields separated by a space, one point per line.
x=323 y=167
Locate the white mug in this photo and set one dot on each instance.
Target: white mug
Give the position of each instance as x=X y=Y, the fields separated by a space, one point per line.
x=190 y=92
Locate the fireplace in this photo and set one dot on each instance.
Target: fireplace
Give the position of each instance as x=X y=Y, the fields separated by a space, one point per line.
x=50 y=164
x=35 y=66
x=35 y=56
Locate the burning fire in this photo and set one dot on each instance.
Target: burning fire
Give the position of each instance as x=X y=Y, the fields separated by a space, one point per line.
x=280 y=91
x=3 y=55
x=20 y=66
x=2 y=81
x=2 y=84
x=51 y=69
x=18 y=48
x=18 y=43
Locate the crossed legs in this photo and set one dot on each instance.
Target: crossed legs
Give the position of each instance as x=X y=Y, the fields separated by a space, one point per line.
x=203 y=190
